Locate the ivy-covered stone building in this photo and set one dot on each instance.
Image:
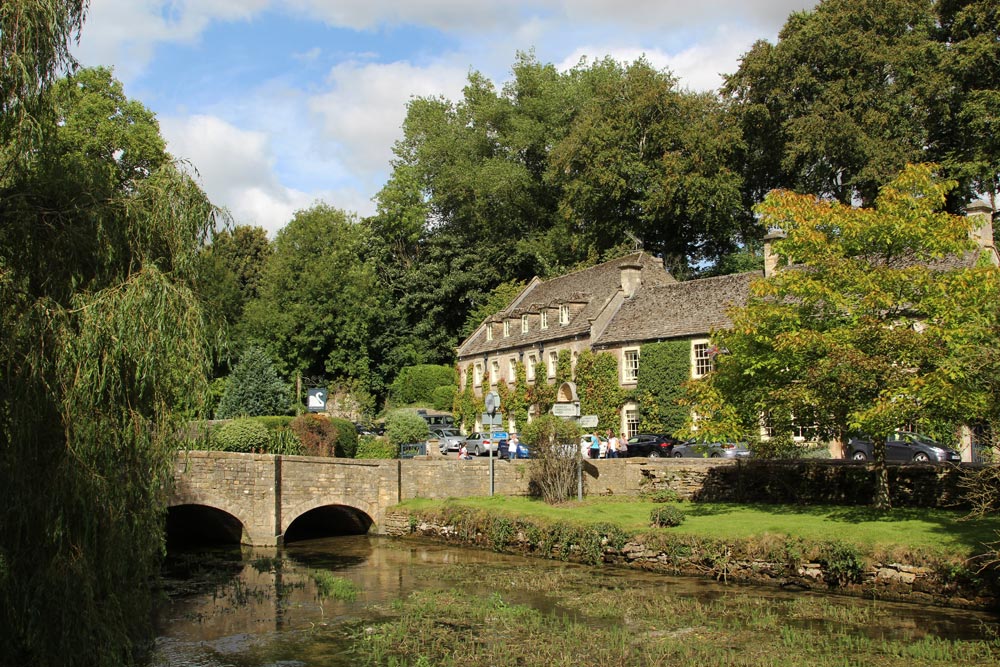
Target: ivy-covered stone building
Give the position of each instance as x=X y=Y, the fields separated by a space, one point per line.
x=617 y=307
x=628 y=307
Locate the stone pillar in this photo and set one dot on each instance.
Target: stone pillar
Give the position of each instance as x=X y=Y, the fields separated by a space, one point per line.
x=770 y=259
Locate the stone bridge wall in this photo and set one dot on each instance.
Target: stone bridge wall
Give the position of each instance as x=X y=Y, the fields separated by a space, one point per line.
x=267 y=493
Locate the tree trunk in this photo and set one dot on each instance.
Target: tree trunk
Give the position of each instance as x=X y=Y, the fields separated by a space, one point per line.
x=881 y=501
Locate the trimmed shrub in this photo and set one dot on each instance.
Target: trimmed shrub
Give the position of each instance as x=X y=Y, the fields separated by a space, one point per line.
x=316 y=433
x=664 y=517
x=405 y=426
x=375 y=447
x=243 y=435
x=416 y=384
x=254 y=388
x=347 y=437
x=442 y=398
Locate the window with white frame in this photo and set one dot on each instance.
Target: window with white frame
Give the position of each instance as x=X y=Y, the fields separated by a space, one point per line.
x=489 y=332
x=506 y=328
x=631 y=421
x=630 y=365
x=512 y=369
x=553 y=363
x=701 y=353
x=524 y=324
x=494 y=371
x=529 y=369
x=477 y=375
x=563 y=315
x=544 y=320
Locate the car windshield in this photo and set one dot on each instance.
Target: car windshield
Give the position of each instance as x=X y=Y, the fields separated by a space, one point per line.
x=450 y=433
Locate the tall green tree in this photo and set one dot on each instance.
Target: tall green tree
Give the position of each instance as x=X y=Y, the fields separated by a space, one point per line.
x=842 y=102
x=35 y=38
x=643 y=159
x=100 y=338
x=878 y=319
x=313 y=314
x=254 y=388
x=969 y=132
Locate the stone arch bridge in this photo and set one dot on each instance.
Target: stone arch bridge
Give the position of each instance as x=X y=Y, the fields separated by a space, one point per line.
x=263 y=499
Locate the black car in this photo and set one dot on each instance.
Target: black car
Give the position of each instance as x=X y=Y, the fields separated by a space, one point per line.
x=651 y=445
x=904 y=447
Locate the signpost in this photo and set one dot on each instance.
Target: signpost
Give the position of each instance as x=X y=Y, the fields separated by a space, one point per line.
x=587 y=421
x=492 y=401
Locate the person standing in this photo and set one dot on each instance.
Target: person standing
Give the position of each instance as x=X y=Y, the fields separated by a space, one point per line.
x=512 y=446
x=612 y=446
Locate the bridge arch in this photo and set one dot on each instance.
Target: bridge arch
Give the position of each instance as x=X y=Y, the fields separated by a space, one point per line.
x=327 y=521
x=193 y=523
x=349 y=513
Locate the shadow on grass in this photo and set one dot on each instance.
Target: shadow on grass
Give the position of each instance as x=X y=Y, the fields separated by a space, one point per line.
x=973 y=533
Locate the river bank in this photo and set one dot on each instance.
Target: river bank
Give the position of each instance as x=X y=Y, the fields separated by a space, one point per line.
x=374 y=601
x=905 y=573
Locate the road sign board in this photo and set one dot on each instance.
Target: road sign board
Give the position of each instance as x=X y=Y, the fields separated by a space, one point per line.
x=566 y=409
x=588 y=421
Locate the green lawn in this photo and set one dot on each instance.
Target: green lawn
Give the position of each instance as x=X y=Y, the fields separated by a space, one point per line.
x=921 y=530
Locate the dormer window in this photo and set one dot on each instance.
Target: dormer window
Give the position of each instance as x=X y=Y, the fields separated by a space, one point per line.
x=524 y=324
x=489 y=332
x=506 y=328
x=544 y=323
x=564 y=315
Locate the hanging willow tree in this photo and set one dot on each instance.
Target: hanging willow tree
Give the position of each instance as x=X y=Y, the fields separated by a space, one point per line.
x=100 y=337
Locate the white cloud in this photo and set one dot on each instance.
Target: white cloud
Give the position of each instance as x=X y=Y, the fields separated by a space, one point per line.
x=363 y=112
x=126 y=32
x=235 y=168
x=699 y=67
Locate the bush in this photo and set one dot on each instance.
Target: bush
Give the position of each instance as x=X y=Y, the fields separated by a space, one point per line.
x=405 y=426
x=442 y=398
x=669 y=516
x=416 y=384
x=254 y=388
x=552 y=468
x=275 y=422
x=347 y=437
x=317 y=434
x=375 y=447
x=242 y=435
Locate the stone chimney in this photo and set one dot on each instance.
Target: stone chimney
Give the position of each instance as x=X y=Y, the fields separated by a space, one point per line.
x=982 y=230
x=631 y=278
x=770 y=259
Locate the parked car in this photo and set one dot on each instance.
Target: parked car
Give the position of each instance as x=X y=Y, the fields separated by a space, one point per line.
x=446 y=439
x=903 y=448
x=651 y=445
x=713 y=450
x=479 y=444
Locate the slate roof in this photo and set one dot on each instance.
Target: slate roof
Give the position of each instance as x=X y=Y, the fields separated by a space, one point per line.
x=590 y=288
x=690 y=308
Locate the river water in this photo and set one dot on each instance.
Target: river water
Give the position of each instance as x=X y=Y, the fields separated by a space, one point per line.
x=255 y=608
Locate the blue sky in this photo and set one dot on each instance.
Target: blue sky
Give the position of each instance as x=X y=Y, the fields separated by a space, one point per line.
x=278 y=104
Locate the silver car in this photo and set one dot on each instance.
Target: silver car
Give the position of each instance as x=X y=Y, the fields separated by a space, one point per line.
x=446 y=439
x=711 y=450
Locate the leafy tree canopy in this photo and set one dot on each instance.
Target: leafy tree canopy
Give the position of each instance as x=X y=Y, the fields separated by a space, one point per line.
x=876 y=321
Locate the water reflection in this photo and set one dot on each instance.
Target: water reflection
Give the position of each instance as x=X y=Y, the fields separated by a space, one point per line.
x=255 y=607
